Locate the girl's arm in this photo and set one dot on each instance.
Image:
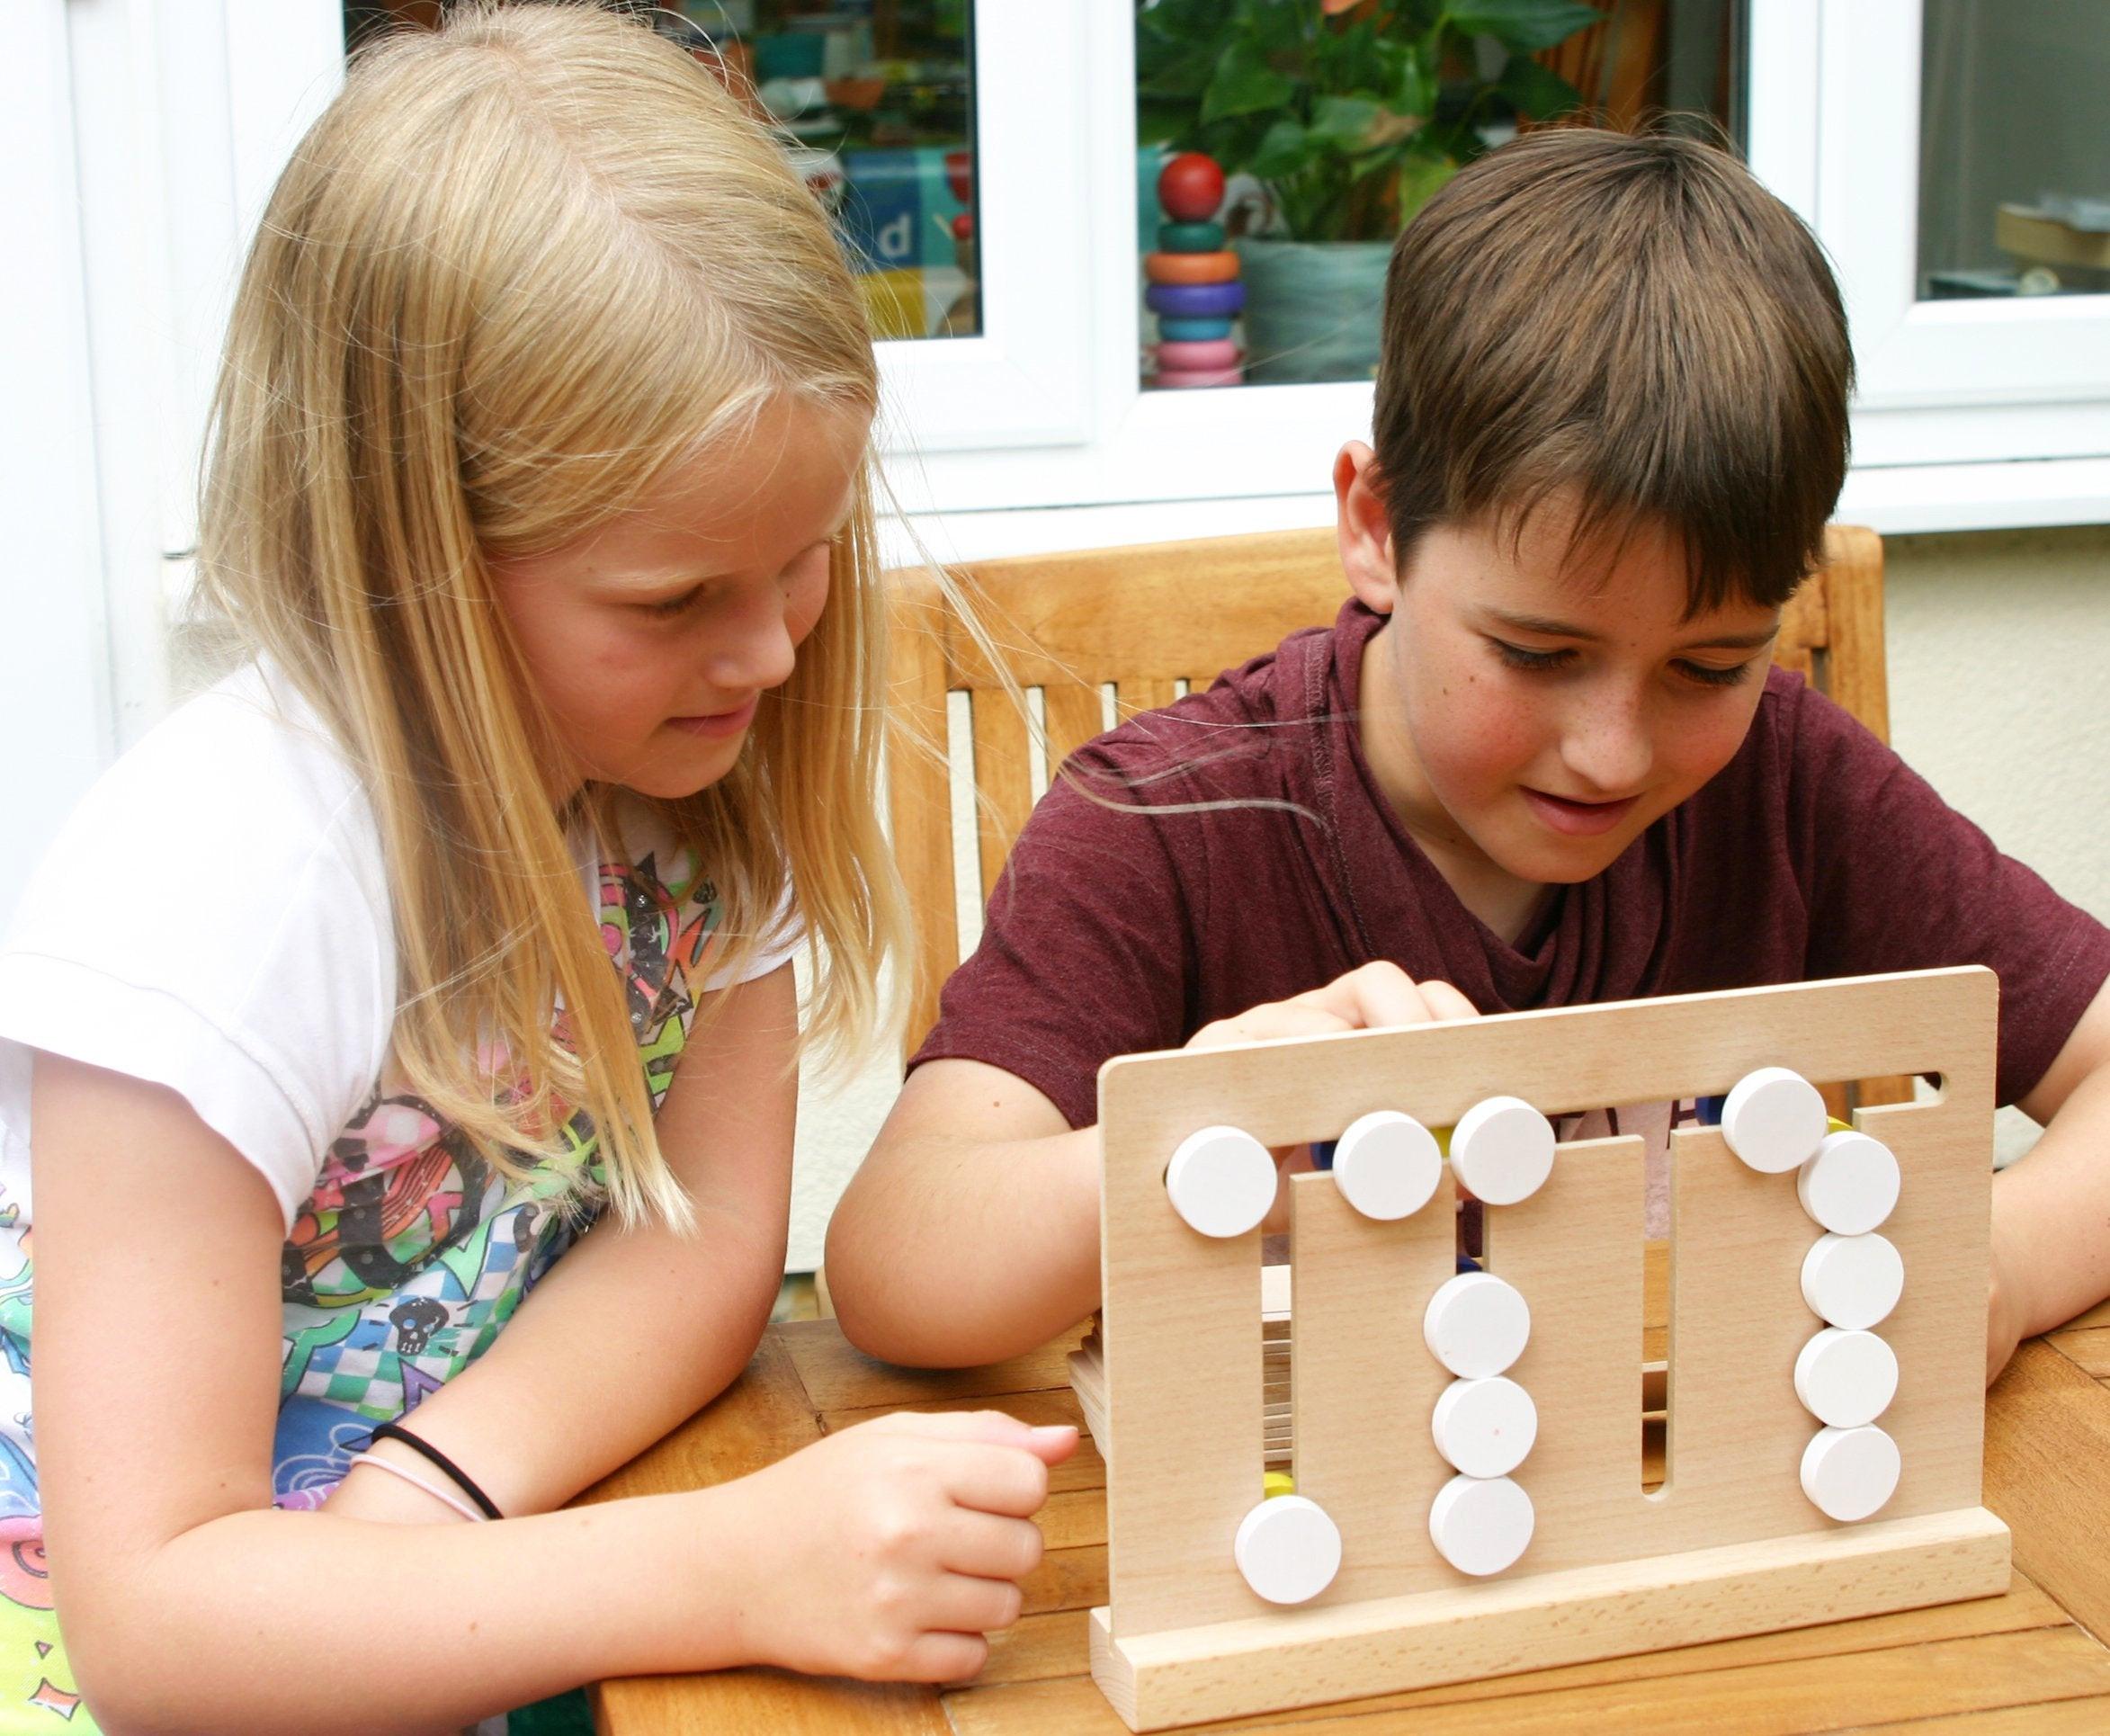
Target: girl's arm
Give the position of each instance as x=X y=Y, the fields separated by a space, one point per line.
x=635 y=1329
x=187 y=1604
x=2052 y=1210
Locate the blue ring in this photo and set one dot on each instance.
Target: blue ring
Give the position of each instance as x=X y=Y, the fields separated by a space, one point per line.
x=1192 y=331
x=1196 y=301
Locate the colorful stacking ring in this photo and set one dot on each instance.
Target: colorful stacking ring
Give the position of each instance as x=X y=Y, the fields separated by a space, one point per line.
x=1201 y=377
x=1191 y=267
x=1174 y=330
x=1216 y=353
x=1195 y=300
x=1190 y=237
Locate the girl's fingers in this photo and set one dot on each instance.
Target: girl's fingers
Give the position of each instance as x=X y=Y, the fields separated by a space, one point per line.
x=965 y=1603
x=1280 y=1019
x=944 y=1657
x=996 y=1480
x=989 y=1546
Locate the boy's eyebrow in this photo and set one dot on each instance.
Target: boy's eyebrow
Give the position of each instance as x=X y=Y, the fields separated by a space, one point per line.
x=1550 y=629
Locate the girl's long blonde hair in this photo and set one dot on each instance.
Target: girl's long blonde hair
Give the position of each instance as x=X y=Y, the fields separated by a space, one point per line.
x=519 y=269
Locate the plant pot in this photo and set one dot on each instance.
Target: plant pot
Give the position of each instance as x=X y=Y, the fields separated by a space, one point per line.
x=1312 y=308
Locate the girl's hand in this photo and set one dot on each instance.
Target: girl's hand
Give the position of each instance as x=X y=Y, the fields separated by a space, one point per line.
x=888 y=1550
x=1370 y=998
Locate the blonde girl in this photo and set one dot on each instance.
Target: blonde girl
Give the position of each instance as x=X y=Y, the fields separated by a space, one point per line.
x=402 y=1036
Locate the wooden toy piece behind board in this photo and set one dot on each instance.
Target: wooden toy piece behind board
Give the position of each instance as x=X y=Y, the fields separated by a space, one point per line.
x=1395 y=1569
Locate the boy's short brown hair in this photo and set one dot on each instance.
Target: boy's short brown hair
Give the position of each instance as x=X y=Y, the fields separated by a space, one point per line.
x=1633 y=319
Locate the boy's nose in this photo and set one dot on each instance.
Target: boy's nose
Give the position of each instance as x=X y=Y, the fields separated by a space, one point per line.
x=1609 y=751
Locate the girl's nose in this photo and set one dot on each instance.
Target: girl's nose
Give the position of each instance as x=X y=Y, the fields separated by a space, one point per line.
x=756 y=651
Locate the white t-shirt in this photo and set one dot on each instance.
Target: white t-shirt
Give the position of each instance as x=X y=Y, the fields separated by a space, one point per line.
x=214 y=917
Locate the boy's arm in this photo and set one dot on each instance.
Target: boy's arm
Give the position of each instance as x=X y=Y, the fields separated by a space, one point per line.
x=2052 y=1210
x=971 y=1232
x=635 y=1328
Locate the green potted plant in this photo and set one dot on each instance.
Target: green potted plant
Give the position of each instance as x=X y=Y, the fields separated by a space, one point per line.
x=1350 y=114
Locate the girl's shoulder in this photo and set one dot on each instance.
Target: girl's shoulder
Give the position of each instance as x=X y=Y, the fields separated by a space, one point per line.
x=214 y=915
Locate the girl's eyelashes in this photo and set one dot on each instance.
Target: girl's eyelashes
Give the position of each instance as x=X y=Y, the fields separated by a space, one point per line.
x=666 y=608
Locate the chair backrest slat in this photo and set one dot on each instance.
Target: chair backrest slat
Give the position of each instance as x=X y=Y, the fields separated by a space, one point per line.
x=1144 y=619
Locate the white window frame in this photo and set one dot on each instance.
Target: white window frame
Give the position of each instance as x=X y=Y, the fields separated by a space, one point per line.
x=1999 y=407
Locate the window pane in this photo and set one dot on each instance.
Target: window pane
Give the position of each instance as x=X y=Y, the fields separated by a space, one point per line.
x=878 y=95
x=1324 y=124
x=2015 y=148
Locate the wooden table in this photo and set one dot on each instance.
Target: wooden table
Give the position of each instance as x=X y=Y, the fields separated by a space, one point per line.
x=2025 y=1662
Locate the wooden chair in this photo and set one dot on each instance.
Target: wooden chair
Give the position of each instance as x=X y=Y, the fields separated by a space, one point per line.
x=1147 y=623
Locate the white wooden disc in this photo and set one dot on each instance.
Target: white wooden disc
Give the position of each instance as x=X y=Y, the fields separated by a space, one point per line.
x=1221 y=1181
x=1480 y=1525
x=1485 y=1427
x=1853 y=1281
x=1388 y=1165
x=1850 y=1472
x=1287 y=1549
x=1476 y=1325
x=1773 y=1119
x=1502 y=1150
x=1850 y=1186
x=1846 y=1378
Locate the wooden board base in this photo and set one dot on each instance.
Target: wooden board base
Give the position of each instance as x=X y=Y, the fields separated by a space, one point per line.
x=1296 y=1657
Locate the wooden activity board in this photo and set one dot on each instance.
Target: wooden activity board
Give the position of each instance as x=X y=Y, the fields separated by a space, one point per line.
x=1733 y=1542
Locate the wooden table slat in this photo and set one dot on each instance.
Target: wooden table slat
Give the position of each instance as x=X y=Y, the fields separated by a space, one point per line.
x=2024 y=1608
x=1782 y=1696
x=2047 y=1473
x=2085 y=1346
x=2022 y=1663
x=840 y=1377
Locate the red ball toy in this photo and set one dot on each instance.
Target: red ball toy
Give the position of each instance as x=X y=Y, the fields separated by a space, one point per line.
x=1191 y=187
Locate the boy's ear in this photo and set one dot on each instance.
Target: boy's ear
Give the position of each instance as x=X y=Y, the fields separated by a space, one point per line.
x=1363 y=530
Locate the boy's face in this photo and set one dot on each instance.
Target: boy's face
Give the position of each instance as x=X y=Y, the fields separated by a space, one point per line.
x=1530 y=710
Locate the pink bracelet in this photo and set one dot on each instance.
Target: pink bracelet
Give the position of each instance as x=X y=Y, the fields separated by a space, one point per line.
x=416 y=1481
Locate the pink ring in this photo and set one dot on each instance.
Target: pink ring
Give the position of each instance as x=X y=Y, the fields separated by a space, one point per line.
x=1199 y=352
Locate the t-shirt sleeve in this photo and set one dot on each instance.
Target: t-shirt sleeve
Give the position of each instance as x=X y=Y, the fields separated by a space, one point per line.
x=1086 y=952
x=210 y=919
x=1900 y=881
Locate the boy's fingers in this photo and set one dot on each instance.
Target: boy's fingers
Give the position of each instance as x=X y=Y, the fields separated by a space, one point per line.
x=1444 y=1002
x=1284 y=1019
x=991 y=1427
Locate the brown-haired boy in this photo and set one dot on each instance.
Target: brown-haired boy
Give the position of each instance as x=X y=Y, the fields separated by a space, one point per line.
x=1539 y=759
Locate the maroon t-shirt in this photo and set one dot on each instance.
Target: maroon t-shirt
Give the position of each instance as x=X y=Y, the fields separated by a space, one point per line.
x=1815 y=853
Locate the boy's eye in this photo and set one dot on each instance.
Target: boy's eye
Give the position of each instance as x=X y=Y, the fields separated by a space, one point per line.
x=1518 y=658
x=1708 y=675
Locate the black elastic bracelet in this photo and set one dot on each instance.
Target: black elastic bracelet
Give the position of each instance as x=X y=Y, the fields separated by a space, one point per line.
x=397 y=1432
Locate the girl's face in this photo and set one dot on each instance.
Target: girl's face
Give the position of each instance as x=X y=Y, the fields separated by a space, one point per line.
x=651 y=640
x=1530 y=711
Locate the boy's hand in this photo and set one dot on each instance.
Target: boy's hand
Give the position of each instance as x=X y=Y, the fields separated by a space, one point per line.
x=889 y=1550
x=1369 y=998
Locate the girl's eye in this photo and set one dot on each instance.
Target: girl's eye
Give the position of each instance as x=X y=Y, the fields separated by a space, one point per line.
x=1517 y=657
x=666 y=608
x=1707 y=676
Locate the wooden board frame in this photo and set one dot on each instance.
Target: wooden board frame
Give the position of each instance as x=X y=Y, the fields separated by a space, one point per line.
x=1728 y=1545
